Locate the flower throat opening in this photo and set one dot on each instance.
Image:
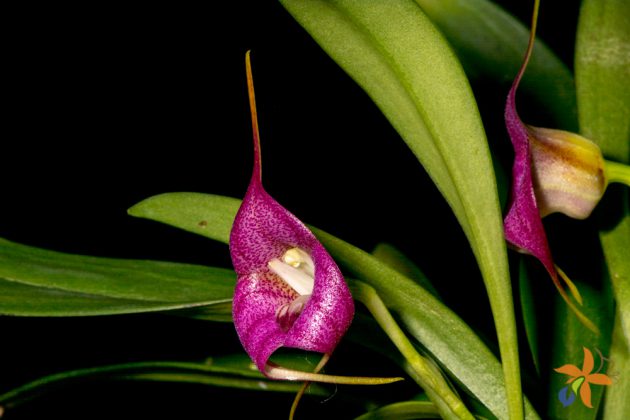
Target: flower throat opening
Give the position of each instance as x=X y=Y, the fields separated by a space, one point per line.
x=296 y=269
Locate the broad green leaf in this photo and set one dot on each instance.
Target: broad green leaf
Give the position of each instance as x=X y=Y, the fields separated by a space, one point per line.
x=391 y=256
x=234 y=371
x=617 y=403
x=602 y=75
x=490 y=42
x=602 y=67
x=602 y=70
x=616 y=246
x=406 y=410
x=38 y=282
x=204 y=214
x=393 y=51
x=444 y=334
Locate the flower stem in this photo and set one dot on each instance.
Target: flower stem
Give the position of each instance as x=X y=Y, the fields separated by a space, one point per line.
x=617 y=172
x=304 y=387
x=421 y=369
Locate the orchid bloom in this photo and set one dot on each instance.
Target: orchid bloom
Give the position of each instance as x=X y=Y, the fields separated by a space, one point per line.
x=553 y=171
x=289 y=292
x=582 y=378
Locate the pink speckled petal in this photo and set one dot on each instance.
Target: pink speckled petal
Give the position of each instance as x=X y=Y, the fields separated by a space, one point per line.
x=523 y=225
x=256 y=300
x=263 y=230
x=328 y=313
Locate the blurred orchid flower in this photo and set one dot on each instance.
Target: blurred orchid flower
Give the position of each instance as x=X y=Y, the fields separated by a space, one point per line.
x=289 y=292
x=553 y=171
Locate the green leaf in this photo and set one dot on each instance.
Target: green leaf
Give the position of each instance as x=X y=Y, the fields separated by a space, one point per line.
x=406 y=410
x=393 y=51
x=235 y=371
x=602 y=70
x=37 y=282
x=218 y=312
x=391 y=256
x=443 y=333
x=217 y=212
x=617 y=403
x=206 y=215
x=490 y=42
x=602 y=74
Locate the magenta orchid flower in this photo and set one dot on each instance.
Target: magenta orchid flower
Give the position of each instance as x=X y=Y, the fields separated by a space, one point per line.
x=289 y=292
x=553 y=171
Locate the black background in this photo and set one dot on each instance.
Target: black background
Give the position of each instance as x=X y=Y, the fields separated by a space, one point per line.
x=105 y=105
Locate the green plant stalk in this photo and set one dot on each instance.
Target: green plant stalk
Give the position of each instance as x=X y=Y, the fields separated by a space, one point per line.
x=421 y=370
x=617 y=172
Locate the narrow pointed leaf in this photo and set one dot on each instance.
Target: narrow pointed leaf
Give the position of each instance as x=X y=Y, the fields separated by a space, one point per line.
x=219 y=312
x=24 y=300
x=442 y=332
x=227 y=371
x=393 y=51
x=38 y=282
